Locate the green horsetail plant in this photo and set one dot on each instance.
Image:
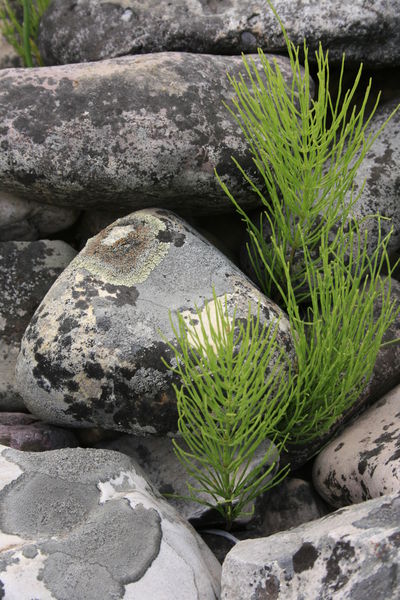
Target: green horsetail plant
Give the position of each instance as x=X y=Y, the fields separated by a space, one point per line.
x=338 y=339
x=229 y=403
x=306 y=151
x=23 y=36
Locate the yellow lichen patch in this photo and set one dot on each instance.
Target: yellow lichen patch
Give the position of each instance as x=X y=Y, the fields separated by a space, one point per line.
x=125 y=254
x=198 y=332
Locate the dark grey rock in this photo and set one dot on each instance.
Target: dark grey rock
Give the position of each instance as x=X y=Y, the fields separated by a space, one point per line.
x=24 y=432
x=351 y=554
x=126 y=133
x=26 y=220
x=85 y=524
x=8 y=56
x=290 y=504
x=366 y=30
x=92 y=352
x=27 y=271
x=363 y=462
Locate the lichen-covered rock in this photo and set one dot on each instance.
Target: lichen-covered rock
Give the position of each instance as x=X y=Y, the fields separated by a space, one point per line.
x=125 y=133
x=367 y=30
x=363 y=462
x=26 y=220
x=27 y=271
x=351 y=554
x=156 y=456
x=25 y=432
x=385 y=376
x=85 y=524
x=92 y=354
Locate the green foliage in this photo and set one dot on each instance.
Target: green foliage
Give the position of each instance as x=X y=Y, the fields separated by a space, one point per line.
x=23 y=36
x=228 y=406
x=314 y=262
x=307 y=152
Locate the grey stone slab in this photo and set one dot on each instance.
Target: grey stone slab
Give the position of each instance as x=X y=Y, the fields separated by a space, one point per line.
x=351 y=554
x=131 y=132
x=367 y=30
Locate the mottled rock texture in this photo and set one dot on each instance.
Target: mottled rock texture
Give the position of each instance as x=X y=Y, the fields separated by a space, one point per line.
x=364 y=461
x=156 y=456
x=27 y=271
x=352 y=554
x=26 y=220
x=92 y=352
x=25 y=432
x=385 y=376
x=367 y=30
x=130 y=133
x=85 y=524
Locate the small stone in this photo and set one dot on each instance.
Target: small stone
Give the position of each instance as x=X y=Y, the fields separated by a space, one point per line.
x=24 y=432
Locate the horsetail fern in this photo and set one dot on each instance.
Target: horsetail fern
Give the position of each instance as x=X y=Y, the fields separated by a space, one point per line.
x=23 y=35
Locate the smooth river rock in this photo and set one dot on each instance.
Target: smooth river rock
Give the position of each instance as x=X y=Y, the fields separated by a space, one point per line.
x=363 y=462
x=27 y=271
x=367 y=30
x=131 y=132
x=92 y=354
x=22 y=431
x=352 y=554
x=86 y=525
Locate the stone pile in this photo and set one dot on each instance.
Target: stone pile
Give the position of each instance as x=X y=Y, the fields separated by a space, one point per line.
x=125 y=124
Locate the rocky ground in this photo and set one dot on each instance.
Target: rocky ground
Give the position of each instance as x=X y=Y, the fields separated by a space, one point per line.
x=110 y=217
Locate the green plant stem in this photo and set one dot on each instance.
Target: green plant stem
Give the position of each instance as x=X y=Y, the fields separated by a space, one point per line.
x=26 y=34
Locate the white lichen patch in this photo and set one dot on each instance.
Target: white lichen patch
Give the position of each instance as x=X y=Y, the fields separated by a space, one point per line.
x=116 y=234
x=199 y=329
x=20 y=579
x=9 y=471
x=130 y=486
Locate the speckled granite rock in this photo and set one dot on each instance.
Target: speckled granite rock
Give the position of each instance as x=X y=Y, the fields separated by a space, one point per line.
x=126 y=133
x=368 y=30
x=363 y=462
x=92 y=352
x=352 y=554
x=85 y=524
x=25 y=220
x=385 y=376
x=156 y=456
x=24 y=432
x=27 y=271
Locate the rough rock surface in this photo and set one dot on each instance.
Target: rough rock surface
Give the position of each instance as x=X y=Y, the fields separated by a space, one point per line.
x=385 y=376
x=26 y=220
x=27 y=271
x=24 y=432
x=351 y=554
x=128 y=133
x=367 y=30
x=92 y=353
x=363 y=462
x=156 y=456
x=85 y=524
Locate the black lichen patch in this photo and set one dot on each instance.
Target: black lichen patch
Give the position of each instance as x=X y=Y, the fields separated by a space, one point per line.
x=268 y=589
x=172 y=237
x=305 y=557
x=122 y=294
x=343 y=552
x=48 y=371
x=366 y=455
x=93 y=370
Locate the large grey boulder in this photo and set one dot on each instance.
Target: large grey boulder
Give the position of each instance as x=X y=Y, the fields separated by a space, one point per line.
x=85 y=524
x=92 y=354
x=26 y=220
x=27 y=271
x=351 y=554
x=367 y=30
x=363 y=462
x=125 y=133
